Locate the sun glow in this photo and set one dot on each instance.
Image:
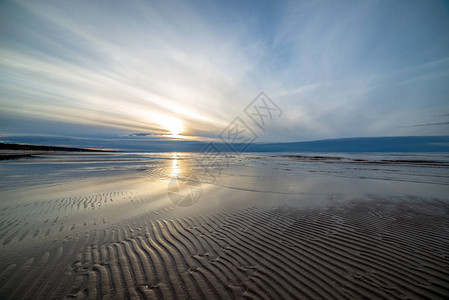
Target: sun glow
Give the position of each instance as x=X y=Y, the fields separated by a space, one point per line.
x=172 y=124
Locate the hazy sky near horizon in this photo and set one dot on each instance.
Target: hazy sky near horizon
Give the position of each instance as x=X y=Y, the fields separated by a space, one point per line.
x=97 y=69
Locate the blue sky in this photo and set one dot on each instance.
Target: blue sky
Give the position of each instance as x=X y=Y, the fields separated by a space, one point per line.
x=108 y=70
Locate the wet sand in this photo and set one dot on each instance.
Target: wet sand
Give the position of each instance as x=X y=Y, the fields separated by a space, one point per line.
x=120 y=236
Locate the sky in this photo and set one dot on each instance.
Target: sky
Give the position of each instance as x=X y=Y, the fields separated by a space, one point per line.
x=117 y=72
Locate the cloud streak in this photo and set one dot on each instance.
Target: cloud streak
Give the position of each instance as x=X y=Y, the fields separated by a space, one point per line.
x=346 y=69
x=430 y=124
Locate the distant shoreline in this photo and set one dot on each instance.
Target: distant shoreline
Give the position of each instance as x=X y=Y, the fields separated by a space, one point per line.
x=6 y=146
x=14 y=151
x=403 y=144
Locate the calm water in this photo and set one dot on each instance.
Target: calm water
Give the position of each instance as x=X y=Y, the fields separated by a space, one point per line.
x=283 y=173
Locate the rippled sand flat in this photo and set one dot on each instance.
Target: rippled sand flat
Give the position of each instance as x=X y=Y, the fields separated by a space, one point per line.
x=267 y=228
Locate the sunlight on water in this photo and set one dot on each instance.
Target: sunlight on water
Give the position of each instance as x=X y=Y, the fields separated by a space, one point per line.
x=175 y=166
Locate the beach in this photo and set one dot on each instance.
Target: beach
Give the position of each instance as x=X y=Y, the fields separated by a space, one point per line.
x=266 y=226
x=224 y=150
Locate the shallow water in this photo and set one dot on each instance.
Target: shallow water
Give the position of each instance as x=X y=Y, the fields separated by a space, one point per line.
x=59 y=168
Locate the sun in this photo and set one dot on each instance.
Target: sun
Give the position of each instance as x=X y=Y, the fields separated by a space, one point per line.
x=172 y=124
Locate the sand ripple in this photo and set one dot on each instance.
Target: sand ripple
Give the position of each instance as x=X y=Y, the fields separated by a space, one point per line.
x=374 y=248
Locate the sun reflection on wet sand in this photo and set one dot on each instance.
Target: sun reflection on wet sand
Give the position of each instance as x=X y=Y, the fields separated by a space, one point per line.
x=175 y=166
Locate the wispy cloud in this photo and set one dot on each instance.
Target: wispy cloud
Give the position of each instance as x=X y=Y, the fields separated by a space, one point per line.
x=429 y=124
x=336 y=68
